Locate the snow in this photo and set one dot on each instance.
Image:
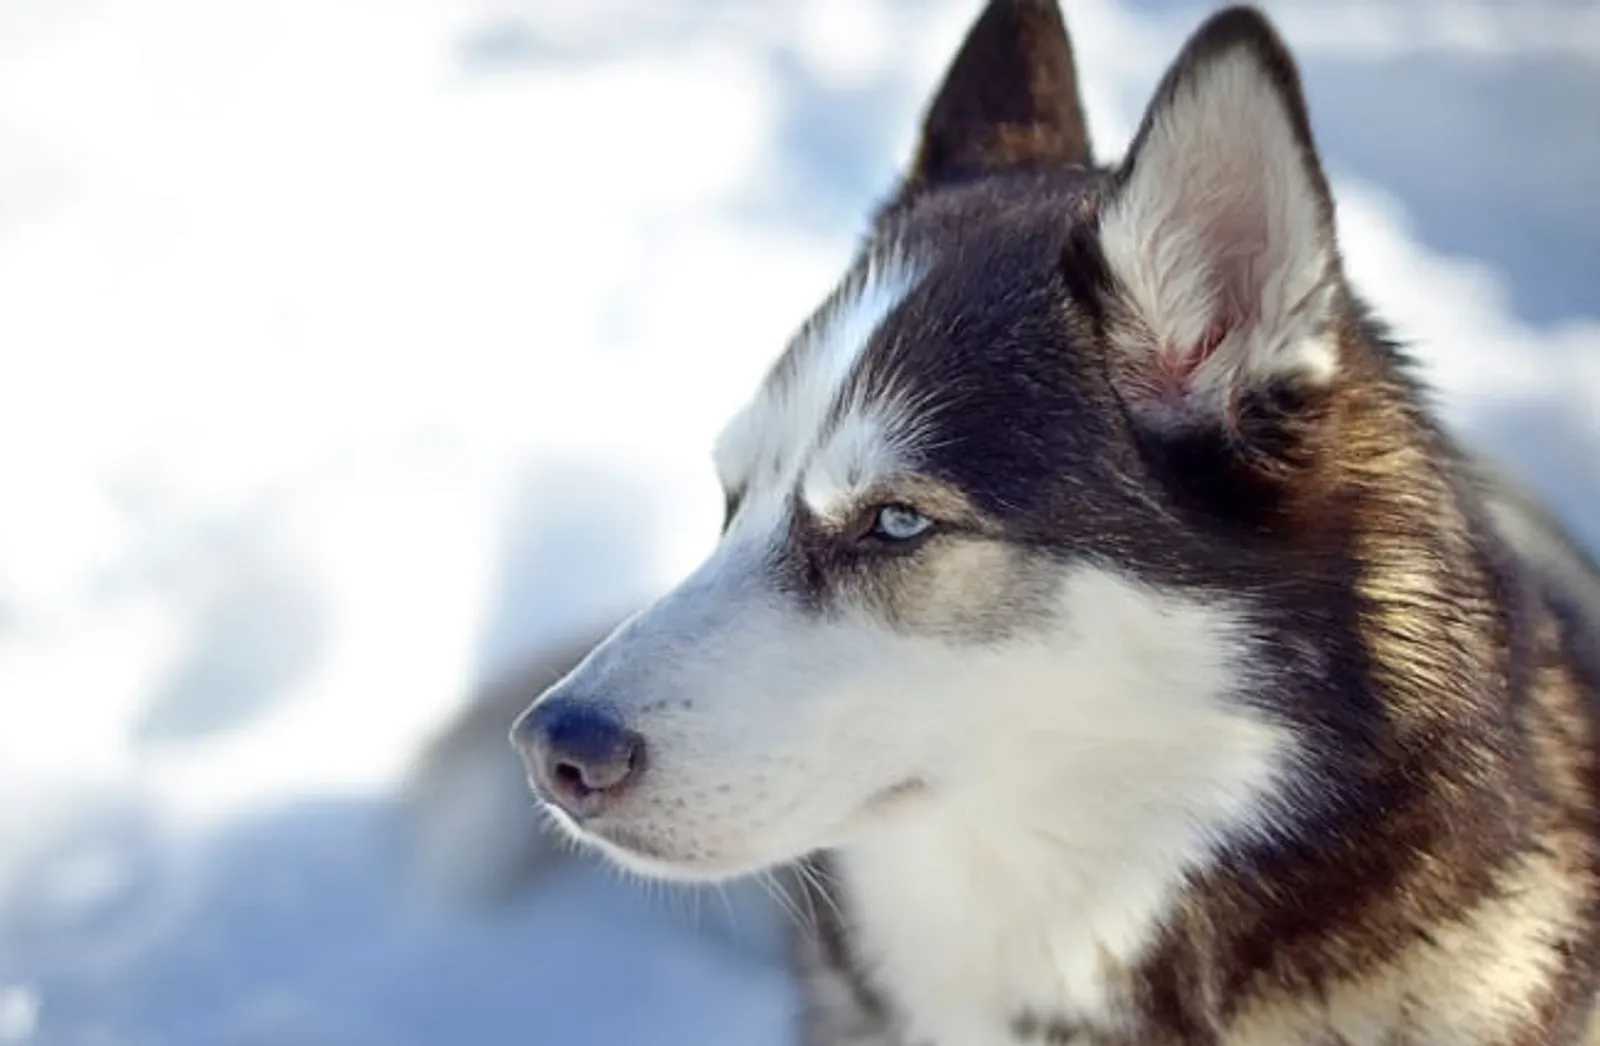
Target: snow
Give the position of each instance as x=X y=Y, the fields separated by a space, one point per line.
x=352 y=350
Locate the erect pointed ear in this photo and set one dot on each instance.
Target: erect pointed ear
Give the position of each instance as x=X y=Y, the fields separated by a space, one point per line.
x=1219 y=234
x=1009 y=99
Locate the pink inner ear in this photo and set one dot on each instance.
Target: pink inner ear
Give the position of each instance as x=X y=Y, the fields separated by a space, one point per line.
x=1175 y=368
x=1207 y=345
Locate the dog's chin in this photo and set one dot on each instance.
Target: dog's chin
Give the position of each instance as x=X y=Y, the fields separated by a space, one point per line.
x=653 y=857
x=700 y=870
x=657 y=855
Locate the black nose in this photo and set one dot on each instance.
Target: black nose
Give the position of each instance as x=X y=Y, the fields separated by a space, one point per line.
x=578 y=757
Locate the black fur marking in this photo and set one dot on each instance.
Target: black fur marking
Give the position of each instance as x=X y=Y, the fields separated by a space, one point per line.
x=1084 y=271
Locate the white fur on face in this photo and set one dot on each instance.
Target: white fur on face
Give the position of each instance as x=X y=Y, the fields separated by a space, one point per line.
x=1065 y=778
x=1219 y=230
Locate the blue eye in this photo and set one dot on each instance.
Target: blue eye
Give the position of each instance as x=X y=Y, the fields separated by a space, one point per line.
x=900 y=523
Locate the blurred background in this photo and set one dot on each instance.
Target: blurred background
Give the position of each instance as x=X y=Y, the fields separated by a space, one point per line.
x=356 y=355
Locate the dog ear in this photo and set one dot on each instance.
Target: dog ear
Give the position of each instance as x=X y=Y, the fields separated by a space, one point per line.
x=1218 y=234
x=1008 y=101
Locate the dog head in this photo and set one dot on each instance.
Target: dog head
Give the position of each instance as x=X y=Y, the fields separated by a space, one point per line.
x=1003 y=518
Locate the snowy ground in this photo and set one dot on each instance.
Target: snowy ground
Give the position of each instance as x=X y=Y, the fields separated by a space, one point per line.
x=350 y=349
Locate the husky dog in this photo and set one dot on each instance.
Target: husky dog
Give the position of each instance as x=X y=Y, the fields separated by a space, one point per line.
x=1104 y=618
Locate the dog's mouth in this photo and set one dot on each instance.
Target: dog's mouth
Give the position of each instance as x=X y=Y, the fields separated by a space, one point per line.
x=635 y=845
x=665 y=851
x=626 y=846
x=664 y=856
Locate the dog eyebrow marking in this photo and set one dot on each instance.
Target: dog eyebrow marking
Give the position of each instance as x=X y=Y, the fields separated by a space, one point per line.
x=859 y=452
x=796 y=417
